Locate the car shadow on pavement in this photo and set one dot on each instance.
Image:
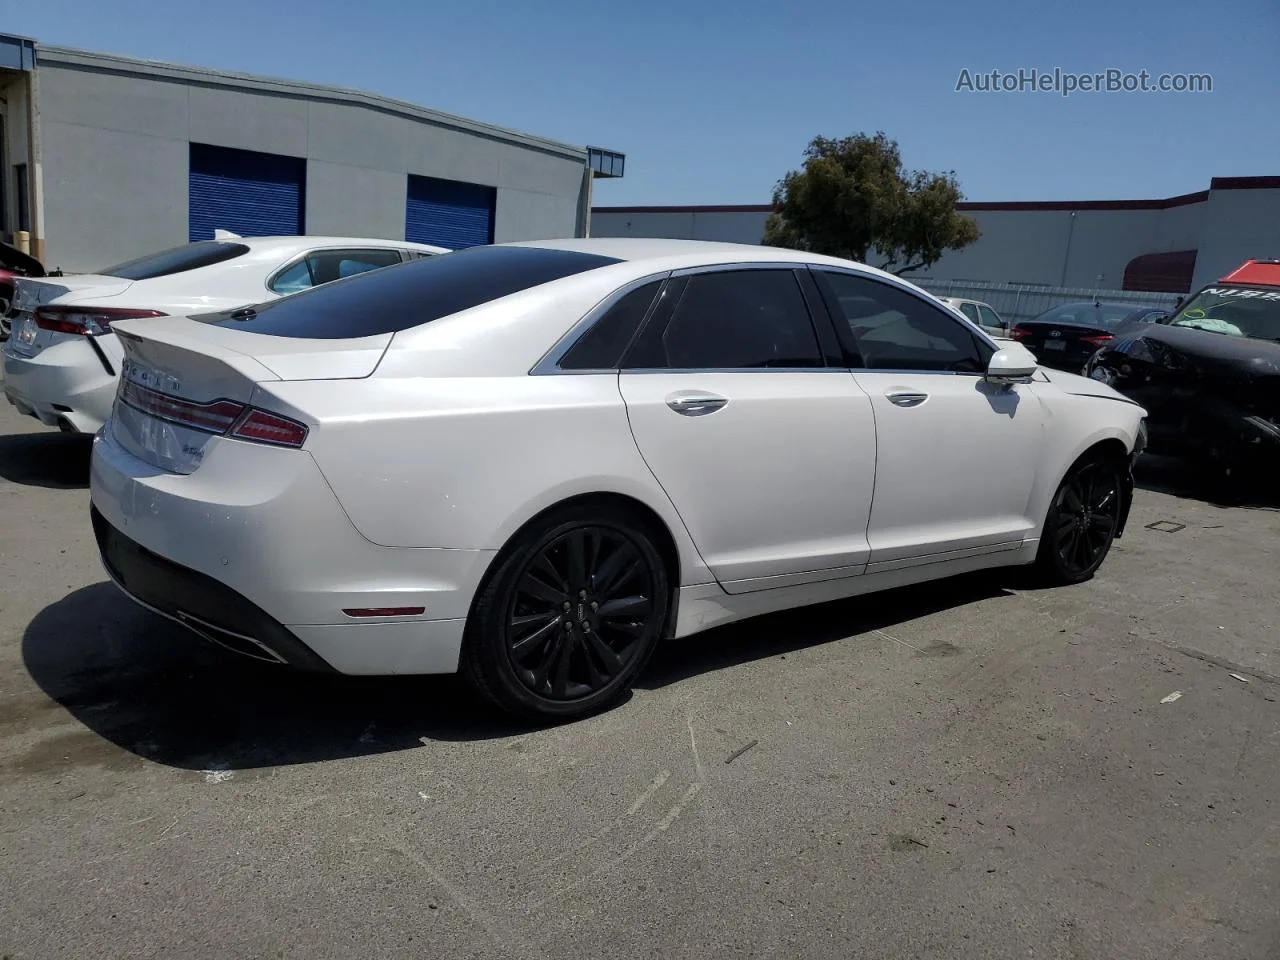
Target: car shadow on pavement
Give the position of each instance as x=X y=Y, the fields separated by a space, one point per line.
x=773 y=634
x=149 y=686
x=57 y=460
x=1189 y=480
x=145 y=685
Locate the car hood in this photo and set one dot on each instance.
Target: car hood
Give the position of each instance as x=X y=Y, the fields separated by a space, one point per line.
x=1199 y=353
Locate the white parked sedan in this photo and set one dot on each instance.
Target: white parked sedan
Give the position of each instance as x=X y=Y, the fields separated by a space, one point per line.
x=62 y=359
x=533 y=461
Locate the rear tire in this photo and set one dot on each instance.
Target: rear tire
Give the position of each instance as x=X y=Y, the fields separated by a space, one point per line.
x=1082 y=521
x=570 y=615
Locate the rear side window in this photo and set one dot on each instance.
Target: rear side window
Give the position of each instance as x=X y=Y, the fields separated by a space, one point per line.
x=600 y=348
x=970 y=311
x=385 y=301
x=191 y=256
x=733 y=319
x=325 y=266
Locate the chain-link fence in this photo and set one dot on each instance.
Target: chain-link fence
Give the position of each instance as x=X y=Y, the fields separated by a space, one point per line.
x=1019 y=301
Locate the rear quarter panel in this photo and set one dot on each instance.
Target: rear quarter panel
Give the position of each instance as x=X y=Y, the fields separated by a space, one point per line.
x=464 y=462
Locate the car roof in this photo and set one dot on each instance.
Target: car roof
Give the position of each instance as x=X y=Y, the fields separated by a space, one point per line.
x=669 y=254
x=286 y=244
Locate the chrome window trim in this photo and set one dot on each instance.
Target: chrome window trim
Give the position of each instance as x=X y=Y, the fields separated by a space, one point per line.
x=549 y=365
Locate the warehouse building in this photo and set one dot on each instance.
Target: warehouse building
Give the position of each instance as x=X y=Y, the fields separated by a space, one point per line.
x=1173 y=244
x=107 y=158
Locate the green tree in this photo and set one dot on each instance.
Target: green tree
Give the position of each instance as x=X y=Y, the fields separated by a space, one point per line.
x=853 y=196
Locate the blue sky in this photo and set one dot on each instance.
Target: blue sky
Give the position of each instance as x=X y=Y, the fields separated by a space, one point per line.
x=712 y=101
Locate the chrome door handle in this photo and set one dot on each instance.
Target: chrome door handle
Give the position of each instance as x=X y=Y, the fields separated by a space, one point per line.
x=695 y=405
x=904 y=398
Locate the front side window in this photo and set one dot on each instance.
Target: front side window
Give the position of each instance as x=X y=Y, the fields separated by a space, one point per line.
x=732 y=320
x=892 y=329
x=989 y=317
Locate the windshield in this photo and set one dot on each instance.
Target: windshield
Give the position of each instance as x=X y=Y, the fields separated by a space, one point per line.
x=1236 y=311
x=189 y=256
x=1104 y=316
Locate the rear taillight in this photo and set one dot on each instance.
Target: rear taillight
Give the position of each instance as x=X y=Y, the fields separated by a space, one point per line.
x=262 y=427
x=1098 y=339
x=1020 y=333
x=219 y=417
x=86 y=321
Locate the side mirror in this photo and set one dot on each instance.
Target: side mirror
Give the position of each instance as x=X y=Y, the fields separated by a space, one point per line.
x=1013 y=363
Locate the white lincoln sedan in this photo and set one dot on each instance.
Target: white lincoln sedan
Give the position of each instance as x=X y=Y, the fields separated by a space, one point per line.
x=62 y=358
x=531 y=462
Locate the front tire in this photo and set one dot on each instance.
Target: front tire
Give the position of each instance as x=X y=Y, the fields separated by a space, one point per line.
x=571 y=614
x=1083 y=518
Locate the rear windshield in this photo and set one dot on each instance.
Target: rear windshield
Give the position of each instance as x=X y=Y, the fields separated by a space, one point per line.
x=1105 y=316
x=398 y=297
x=190 y=256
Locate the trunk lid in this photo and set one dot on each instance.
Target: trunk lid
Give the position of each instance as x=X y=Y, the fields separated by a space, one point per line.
x=29 y=293
x=211 y=370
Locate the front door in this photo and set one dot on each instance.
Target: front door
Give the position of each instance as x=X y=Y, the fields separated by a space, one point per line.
x=767 y=453
x=956 y=456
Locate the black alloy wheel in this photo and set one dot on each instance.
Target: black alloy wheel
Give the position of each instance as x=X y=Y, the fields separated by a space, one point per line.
x=1082 y=522
x=570 y=617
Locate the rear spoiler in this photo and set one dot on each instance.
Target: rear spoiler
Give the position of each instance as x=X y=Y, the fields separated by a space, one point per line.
x=11 y=258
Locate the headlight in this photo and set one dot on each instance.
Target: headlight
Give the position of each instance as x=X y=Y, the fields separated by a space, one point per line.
x=1140 y=442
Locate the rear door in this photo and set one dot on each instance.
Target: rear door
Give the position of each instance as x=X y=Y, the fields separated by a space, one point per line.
x=766 y=451
x=956 y=456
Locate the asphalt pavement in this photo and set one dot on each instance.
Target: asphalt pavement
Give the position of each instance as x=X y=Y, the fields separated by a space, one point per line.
x=965 y=769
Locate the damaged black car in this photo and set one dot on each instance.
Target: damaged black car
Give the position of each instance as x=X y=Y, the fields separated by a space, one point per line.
x=1209 y=375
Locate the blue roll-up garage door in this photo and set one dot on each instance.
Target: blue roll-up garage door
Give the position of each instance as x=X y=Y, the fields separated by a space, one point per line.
x=447 y=213
x=252 y=194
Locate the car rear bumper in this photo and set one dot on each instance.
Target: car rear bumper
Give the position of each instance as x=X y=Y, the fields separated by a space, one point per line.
x=253 y=551
x=206 y=607
x=64 y=386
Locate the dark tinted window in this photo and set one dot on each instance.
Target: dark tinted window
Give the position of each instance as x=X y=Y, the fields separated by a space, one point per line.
x=600 y=348
x=734 y=319
x=895 y=330
x=383 y=301
x=190 y=256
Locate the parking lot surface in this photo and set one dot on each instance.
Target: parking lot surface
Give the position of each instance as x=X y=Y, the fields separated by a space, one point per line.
x=968 y=769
